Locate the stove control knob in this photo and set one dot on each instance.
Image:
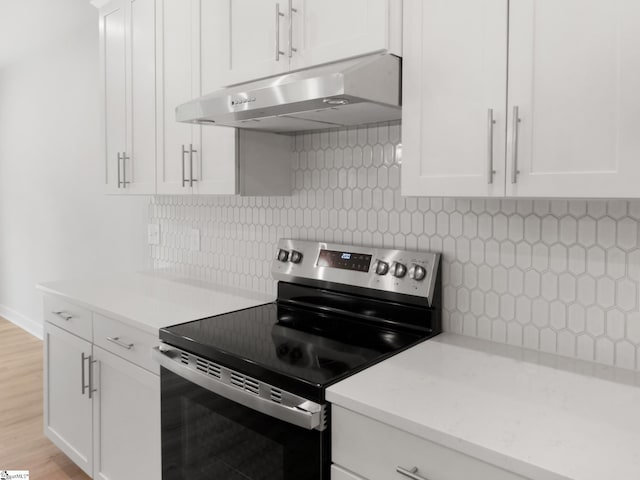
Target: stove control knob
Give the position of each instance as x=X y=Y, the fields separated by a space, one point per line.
x=283 y=255
x=295 y=257
x=418 y=273
x=382 y=268
x=399 y=270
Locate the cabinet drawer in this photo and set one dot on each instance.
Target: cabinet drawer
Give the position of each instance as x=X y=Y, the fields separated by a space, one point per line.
x=375 y=450
x=339 y=474
x=125 y=341
x=68 y=316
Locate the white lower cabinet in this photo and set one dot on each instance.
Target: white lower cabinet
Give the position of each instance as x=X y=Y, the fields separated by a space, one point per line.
x=376 y=451
x=126 y=420
x=339 y=474
x=101 y=394
x=67 y=406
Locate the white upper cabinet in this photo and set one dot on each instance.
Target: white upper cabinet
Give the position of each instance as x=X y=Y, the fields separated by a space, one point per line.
x=113 y=61
x=454 y=105
x=190 y=160
x=565 y=125
x=324 y=31
x=140 y=171
x=574 y=76
x=158 y=54
x=252 y=34
x=216 y=167
x=175 y=86
x=261 y=38
x=127 y=39
x=206 y=160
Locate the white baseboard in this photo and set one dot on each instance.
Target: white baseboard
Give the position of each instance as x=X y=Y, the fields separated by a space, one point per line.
x=27 y=324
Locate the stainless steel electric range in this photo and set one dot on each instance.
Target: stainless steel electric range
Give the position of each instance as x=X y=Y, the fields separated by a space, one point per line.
x=243 y=393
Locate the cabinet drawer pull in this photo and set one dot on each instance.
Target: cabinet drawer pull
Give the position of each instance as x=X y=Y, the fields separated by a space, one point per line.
x=90 y=365
x=278 y=15
x=120 y=343
x=63 y=315
x=491 y=122
x=412 y=473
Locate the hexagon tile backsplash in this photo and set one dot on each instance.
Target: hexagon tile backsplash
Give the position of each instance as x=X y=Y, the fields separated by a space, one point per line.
x=555 y=276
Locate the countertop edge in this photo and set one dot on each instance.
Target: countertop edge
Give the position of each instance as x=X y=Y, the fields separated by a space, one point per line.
x=101 y=311
x=232 y=298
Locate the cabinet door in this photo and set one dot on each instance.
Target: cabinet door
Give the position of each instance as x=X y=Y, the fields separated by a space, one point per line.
x=215 y=160
x=329 y=30
x=113 y=71
x=67 y=409
x=251 y=35
x=455 y=74
x=140 y=160
x=126 y=420
x=175 y=37
x=574 y=71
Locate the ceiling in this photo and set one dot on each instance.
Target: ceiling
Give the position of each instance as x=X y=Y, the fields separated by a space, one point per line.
x=28 y=25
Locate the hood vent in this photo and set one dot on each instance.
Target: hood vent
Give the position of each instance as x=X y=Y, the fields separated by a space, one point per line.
x=354 y=92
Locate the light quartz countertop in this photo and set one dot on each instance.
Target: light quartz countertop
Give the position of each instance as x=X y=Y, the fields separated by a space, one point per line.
x=149 y=300
x=538 y=415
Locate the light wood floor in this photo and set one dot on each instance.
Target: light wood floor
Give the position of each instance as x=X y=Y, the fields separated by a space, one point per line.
x=23 y=446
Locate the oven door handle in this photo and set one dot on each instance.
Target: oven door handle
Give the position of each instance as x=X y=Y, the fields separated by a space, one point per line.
x=306 y=414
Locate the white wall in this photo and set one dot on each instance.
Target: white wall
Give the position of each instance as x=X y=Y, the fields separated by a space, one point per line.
x=55 y=221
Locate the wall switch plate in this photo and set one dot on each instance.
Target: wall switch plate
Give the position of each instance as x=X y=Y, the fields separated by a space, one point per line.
x=153 y=234
x=194 y=240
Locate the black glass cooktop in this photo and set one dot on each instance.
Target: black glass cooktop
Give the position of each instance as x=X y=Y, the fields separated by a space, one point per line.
x=302 y=350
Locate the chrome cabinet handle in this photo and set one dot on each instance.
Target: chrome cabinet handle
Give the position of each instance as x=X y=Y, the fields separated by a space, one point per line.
x=291 y=12
x=82 y=359
x=191 y=152
x=491 y=122
x=120 y=343
x=90 y=363
x=514 y=145
x=124 y=169
x=119 y=171
x=278 y=15
x=412 y=473
x=184 y=180
x=63 y=315
x=88 y=387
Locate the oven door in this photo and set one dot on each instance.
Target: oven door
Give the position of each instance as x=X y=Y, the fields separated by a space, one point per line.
x=207 y=436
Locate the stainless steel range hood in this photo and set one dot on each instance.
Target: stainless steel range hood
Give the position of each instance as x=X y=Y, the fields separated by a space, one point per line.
x=354 y=92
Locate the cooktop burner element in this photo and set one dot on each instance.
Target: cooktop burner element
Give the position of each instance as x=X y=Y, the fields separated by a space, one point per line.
x=339 y=309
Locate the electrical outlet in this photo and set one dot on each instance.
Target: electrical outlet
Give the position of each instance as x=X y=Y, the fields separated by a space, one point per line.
x=194 y=240
x=153 y=234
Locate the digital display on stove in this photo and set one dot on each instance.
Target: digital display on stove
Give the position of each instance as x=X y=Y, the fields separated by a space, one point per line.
x=358 y=262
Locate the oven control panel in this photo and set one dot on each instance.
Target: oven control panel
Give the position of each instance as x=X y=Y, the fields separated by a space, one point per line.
x=399 y=271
